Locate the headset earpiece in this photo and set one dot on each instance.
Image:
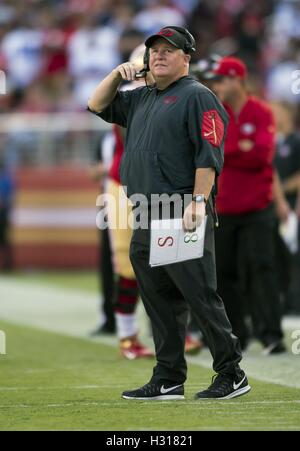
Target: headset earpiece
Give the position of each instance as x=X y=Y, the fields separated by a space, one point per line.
x=146 y=59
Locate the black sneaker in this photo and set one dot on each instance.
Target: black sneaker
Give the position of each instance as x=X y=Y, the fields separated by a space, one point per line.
x=225 y=387
x=156 y=392
x=274 y=348
x=105 y=329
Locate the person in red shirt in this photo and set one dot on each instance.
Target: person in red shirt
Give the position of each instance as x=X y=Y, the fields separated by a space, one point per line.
x=245 y=238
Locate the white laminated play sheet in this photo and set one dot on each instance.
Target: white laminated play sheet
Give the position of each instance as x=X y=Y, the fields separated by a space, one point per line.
x=171 y=244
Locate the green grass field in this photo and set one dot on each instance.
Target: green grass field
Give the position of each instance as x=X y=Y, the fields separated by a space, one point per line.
x=55 y=381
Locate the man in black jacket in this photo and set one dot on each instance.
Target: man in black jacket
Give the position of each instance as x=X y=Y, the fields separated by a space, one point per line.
x=174 y=145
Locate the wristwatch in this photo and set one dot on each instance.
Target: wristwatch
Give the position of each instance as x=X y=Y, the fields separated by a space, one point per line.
x=198 y=198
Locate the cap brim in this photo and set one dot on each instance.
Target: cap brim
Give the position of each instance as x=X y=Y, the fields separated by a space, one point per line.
x=152 y=38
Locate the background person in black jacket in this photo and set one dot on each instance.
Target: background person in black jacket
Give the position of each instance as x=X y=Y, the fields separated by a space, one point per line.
x=287 y=162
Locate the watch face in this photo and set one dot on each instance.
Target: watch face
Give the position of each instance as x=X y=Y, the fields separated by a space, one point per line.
x=199 y=198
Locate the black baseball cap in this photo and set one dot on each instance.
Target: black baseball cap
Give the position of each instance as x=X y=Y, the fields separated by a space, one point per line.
x=173 y=36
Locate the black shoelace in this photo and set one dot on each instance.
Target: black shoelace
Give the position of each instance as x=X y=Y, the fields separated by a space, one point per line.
x=221 y=384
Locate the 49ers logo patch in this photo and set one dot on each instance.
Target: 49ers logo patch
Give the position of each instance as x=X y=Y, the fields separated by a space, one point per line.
x=212 y=127
x=165 y=32
x=170 y=100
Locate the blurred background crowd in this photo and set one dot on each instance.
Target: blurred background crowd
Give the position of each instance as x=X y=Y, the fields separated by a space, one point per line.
x=55 y=51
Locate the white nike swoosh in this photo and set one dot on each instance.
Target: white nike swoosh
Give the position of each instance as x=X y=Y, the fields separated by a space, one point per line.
x=236 y=386
x=167 y=390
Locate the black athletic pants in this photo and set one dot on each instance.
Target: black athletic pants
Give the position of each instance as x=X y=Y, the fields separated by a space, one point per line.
x=246 y=269
x=107 y=278
x=292 y=294
x=167 y=291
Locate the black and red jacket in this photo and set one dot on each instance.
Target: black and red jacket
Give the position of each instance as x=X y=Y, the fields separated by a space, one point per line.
x=170 y=133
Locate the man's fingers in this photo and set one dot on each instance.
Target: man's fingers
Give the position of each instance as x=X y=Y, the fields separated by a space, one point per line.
x=133 y=72
x=193 y=217
x=189 y=230
x=189 y=223
x=127 y=71
x=123 y=72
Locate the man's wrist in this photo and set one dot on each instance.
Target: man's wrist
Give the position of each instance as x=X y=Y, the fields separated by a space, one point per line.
x=199 y=199
x=116 y=74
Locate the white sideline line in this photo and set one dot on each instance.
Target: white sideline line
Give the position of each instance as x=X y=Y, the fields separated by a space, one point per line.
x=74 y=312
x=149 y=403
x=84 y=387
x=68 y=312
x=258 y=368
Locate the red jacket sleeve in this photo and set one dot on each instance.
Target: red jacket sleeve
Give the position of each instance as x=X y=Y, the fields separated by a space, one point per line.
x=263 y=151
x=207 y=123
